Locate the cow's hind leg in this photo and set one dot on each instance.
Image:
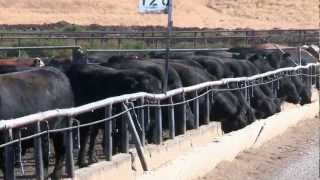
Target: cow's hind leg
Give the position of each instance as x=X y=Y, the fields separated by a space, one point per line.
x=45 y=150
x=2 y=161
x=84 y=135
x=59 y=149
x=91 y=153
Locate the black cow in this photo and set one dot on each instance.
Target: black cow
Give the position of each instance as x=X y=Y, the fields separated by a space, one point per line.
x=217 y=54
x=288 y=91
x=173 y=55
x=214 y=66
x=229 y=108
x=94 y=82
x=301 y=83
x=226 y=67
x=189 y=76
x=158 y=71
x=32 y=91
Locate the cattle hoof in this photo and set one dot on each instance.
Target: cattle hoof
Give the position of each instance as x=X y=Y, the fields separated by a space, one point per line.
x=93 y=160
x=55 y=176
x=82 y=164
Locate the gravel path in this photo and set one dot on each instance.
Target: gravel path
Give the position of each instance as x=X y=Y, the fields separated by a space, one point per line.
x=291 y=156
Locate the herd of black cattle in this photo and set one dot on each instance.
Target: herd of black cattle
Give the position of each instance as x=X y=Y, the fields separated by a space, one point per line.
x=62 y=84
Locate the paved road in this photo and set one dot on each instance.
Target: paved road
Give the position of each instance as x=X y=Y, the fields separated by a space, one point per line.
x=291 y=156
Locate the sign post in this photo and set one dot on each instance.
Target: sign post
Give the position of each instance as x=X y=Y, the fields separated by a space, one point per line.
x=158 y=7
x=170 y=25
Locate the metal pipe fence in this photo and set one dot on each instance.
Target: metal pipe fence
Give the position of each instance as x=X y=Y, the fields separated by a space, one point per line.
x=76 y=51
x=132 y=117
x=144 y=32
x=157 y=39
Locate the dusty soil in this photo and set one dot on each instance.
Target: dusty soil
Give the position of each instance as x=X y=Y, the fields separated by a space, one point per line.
x=230 y=14
x=293 y=155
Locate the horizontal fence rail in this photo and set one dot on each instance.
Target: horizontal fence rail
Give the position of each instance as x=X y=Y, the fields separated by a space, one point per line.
x=147 y=37
x=178 y=50
x=141 y=32
x=40 y=48
x=157 y=39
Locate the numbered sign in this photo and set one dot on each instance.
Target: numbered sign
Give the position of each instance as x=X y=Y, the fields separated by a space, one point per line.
x=153 y=6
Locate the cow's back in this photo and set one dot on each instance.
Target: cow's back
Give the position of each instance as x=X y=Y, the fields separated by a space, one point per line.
x=32 y=91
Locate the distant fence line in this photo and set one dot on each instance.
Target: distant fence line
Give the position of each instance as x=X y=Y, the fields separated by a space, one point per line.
x=157 y=39
x=150 y=32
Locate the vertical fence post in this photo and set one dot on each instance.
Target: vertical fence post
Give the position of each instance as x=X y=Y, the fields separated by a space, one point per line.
x=299 y=54
x=157 y=43
x=172 y=128
x=195 y=40
x=300 y=37
x=38 y=154
x=124 y=145
x=144 y=41
x=141 y=117
x=148 y=115
x=136 y=140
x=119 y=43
x=158 y=131
x=19 y=45
x=184 y=114
x=91 y=40
x=101 y=42
x=196 y=111
x=207 y=119
x=108 y=133
x=205 y=40
x=246 y=39
x=9 y=158
x=69 y=151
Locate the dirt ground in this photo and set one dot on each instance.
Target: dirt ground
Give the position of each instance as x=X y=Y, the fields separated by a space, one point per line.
x=293 y=155
x=229 y=14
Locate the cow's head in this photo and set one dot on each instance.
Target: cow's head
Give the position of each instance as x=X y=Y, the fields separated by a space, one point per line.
x=37 y=62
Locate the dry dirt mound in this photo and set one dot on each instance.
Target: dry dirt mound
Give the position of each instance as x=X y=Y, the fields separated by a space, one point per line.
x=257 y=14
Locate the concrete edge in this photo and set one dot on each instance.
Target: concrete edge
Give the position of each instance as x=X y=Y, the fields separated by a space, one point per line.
x=127 y=166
